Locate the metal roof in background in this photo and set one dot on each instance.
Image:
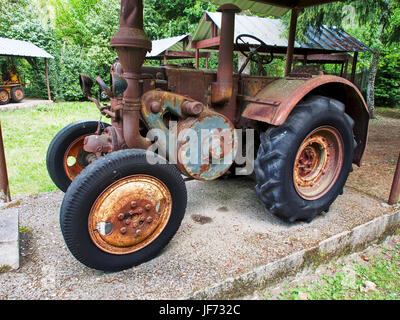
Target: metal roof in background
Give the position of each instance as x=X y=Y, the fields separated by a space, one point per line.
x=276 y=8
x=334 y=39
x=255 y=7
x=272 y=31
x=19 y=48
x=162 y=45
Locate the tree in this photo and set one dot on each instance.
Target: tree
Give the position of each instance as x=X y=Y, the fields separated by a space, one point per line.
x=380 y=18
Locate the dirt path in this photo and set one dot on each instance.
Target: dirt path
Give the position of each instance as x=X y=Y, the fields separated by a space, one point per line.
x=375 y=175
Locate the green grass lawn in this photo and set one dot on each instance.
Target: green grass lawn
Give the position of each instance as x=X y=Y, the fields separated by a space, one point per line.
x=27 y=135
x=382 y=270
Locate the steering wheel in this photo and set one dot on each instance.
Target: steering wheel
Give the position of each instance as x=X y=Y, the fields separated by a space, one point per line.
x=254 y=50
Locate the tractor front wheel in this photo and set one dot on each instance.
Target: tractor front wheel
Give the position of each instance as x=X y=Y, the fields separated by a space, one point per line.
x=122 y=210
x=302 y=166
x=4 y=96
x=66 y=157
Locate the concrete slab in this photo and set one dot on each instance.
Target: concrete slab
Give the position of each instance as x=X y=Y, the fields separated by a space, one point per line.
x=25 y=104
x=227 y=245
x=9 y=239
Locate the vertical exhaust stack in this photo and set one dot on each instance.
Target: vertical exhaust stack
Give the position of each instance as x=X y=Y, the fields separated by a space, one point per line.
x=132 y=44
x=222 y=89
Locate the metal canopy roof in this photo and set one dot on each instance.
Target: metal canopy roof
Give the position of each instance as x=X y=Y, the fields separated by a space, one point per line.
x=11 y=47
x=275 y=8
x=162 y=45
x=271 y=31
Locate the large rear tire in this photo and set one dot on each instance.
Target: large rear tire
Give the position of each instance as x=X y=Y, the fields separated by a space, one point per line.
x=65 y=156
x=122 y=211
x=302 y=166
x=17 y=94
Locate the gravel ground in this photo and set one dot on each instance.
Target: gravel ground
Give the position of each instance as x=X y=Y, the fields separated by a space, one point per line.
x=226 y=232
x=25 y=104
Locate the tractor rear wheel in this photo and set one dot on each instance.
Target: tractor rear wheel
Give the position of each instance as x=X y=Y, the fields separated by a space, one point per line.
x=66 y=157
x=302 y=166
x=4 y=96
x=122 y=211
x=17 y=94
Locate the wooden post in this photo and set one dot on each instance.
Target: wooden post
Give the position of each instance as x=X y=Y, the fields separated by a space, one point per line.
x=207 y=63
x=4 y=187
x=292 y=36
x=345 y=69
x=47 y=79
x=354 y=67
x=395 y=191
x=197 y=57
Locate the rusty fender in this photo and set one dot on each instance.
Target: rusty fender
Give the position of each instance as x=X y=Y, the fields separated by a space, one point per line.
x=275 y=102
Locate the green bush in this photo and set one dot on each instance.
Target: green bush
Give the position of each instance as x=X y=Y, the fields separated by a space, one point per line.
x=387 y=86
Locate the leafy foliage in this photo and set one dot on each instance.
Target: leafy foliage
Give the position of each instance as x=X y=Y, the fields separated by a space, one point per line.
x=376 y=23
x=77 y=33
x=387 y=86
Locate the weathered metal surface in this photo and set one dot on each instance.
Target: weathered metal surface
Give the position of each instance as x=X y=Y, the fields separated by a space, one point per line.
x=333 y=39
x=203 y=144
x=207 y=146
x=222 y=89
x=289 y=92
x=273 y=33
x=132 y=44
x=190 y=82
x=318 y=163
x=130 y=214
x=76 y=158
x=395 y=190
x=4 y=186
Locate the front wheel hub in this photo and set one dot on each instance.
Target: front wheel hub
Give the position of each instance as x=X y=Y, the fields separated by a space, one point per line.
x=130 y=214
x=318 y=163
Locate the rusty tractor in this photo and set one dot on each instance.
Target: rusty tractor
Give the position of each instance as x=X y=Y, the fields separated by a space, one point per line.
x=124 y=201
x=11 y=87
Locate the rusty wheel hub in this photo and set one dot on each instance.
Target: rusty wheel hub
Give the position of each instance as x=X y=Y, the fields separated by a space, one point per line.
x=19 y=94
x=130 y=214
x=76 y=158
x=318 y=163
x=3 y=96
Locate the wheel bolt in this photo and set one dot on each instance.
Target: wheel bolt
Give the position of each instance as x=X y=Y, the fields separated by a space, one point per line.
x=149 y=219
x=128 y=221
x=133 y=204
x=121 y=216
x=138 y=232
x=134 y=225
x=123 y=230
x=148 y=207
x=140 y=211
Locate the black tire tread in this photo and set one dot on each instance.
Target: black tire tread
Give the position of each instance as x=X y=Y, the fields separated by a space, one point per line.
x=90 y=183
x=58 y=146
x=270 y=182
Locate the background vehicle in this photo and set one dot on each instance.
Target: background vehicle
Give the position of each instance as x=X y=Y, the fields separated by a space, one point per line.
x=120 y=210
x=11 y=87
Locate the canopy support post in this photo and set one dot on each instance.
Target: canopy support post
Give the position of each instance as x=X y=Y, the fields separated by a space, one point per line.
x=354 y=67
x=292 y=36
x=47 y=79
